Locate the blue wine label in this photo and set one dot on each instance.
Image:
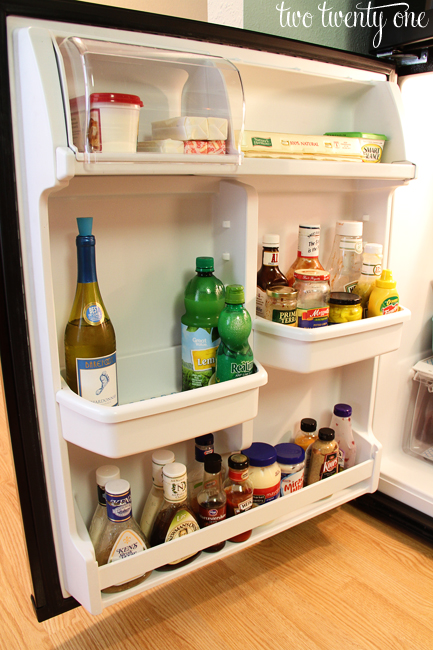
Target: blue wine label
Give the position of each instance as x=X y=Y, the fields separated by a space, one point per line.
x=97 y=379
x=199 y=348
x=93 y=313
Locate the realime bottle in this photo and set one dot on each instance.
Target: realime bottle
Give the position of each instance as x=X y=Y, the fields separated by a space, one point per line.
x=90 y=341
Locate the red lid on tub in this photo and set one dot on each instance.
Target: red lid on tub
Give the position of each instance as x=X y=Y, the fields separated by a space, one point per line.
x=107 y=98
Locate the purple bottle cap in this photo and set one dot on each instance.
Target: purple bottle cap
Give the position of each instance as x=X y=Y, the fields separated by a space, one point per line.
x=343 y=410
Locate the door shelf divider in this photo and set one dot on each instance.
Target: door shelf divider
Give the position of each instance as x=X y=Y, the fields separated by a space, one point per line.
x=143 y=425
x=310 y=350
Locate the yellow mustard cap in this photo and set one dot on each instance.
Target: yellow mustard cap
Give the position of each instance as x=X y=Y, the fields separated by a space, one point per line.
x=386 y=280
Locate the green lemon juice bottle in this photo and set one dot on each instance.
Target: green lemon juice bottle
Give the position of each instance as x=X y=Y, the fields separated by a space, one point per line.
x=234 y=357
x=204 y=301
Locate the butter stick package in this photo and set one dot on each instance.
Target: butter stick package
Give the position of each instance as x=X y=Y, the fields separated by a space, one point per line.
x=260 y=144
x=190 y=128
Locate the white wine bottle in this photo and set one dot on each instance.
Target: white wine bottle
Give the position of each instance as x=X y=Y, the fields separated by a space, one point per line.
x=90 y=341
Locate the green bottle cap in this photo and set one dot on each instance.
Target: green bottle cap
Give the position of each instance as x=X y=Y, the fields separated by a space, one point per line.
x=205 y=264
x=235 y=294
x=85 y=226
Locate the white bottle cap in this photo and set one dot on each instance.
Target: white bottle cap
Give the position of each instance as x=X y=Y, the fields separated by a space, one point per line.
x=373 y=249
x=162 y=457
x=107 y=473
x=174 y=470
x=118 y=487
x=271 y=240
x=349 y=228
x=309 y=226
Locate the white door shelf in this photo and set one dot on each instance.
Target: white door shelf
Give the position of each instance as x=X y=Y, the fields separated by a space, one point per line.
x=146 y=422
x=265 y=521
x=310 y=350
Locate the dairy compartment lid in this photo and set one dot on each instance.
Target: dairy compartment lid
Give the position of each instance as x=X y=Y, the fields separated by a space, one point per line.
x=424 y=367
x=358 y=134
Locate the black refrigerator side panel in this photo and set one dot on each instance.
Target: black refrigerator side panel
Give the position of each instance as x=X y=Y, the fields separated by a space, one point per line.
x=18 y=380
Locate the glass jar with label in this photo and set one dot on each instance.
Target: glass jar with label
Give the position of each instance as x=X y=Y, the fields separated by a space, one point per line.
x=344 y=307
x=281 y=305
x=291 y=459
x=313 y=297
x=265 y=473
x=269 y=274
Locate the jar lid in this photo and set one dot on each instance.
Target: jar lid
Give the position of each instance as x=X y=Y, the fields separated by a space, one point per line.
x=349 y=228
x=343 y=410
x=174 y=470
x=289 y=454
x=373 y=249
x=308 y=425
x=204 y=264
x=261 y=454
x=115 y=98
x=326 y=434
x=278 y=292
x=212 y=463
x=235 y=294
x=204 y=441
x=271 y=240
x=107 y=473
x=162 y=457
x=116 y=488
x=311 y=274
x=238 y=461
x=344 y=298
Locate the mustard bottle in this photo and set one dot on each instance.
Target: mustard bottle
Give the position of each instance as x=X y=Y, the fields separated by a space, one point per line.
x=384 y=298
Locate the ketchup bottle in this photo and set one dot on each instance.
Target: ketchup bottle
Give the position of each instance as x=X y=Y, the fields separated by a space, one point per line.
x=239 y=490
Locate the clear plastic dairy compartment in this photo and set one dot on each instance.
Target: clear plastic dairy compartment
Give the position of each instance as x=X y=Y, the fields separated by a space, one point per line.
x=124 y=100
x=420 y=439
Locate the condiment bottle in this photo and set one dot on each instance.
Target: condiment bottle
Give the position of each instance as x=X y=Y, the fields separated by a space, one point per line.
x=155 y=498
x=269 y=274
x=239 y=490
x=235 y=357
x=204 y=445
x=90 y=341
x=345 y=262
x=341 y=422
x=204 y=300
x=324 y=456
x=384 y=298
x=344 y=307
x=176 y=517
x=265 y=473
x=313 y=298
x=103 y=475
x=291 y=459
x=212 y=498
x=370 y=272
x=305 y=437
x=281 y=303
x=308 y=251
x=121 y=536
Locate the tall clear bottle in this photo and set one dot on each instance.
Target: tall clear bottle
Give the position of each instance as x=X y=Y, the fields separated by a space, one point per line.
x=235 y=356
x=204 y=300
x=269 y=274
x=212 y=499
x=345 y=262
x=341 y=423
x=176 y=517
x=155 y=498
x=90 y=341
x=370 y=272
x=104 y=474
x=121 y=536
x=204 y=445
x=308 y=251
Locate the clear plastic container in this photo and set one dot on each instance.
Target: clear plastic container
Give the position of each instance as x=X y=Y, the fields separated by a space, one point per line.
x=345 y=262
x=420 y=438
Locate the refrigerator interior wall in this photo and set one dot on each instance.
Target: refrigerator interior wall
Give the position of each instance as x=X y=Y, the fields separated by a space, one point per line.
x=148 y=233
x=404 y=477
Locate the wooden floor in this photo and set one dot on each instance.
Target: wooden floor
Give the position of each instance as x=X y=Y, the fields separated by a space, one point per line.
x=342 y=580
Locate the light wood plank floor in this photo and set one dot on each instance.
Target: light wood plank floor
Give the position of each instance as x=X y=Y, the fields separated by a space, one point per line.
x=341 y=581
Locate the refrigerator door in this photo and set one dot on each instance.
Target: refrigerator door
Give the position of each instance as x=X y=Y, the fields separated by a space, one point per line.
x=153 y=214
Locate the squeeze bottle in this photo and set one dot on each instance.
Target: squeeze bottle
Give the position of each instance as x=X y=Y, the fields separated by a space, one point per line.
x=384 y=298
x=234 y=357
